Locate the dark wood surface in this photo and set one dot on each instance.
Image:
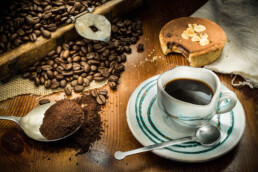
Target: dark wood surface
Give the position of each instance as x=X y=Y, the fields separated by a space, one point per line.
x=117 y=135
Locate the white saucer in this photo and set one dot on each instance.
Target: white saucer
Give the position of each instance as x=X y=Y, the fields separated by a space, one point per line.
x=150 y=125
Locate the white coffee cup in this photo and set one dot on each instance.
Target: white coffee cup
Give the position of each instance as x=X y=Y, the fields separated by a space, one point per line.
x=188 y=114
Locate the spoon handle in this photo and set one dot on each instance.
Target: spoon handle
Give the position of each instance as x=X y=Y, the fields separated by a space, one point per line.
x=11 y=118
x=121 y=155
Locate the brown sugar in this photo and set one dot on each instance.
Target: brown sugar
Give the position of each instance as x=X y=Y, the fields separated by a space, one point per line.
x=61 y=119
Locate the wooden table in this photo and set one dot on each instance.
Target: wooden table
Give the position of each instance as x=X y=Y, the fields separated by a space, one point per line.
x=117 y=135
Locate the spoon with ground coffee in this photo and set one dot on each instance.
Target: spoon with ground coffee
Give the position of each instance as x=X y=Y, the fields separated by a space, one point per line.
x=32 y=122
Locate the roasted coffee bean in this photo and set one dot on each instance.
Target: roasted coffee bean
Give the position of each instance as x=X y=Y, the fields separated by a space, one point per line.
x=93 y=62
x=120 y=24
x=29 y=20
x=63 y=83
x=90 y=77
x=93 y=68
x=113 y=78
x=42 y=80
x=104 y=73
x=65 y=53
x=80 y=80
x=86 y=82
x=58 y=50
x=75 y=76
x=44 y=101
x=20 y=32
x=127 y=49
x=52 y=27
x=97 y=75
x=26 y=75
x=46 y=33
x=37 y=32
x=76 y=58
x=120 y=67
x=47 y=84
x=101 y=100
x=67 y=73
x=123 y=58
x=50 y=62
x=13 y=36
x=76 y=66
x=97 y=46
x=73 y=83
x=33 y=75
x=78 y=72
x=112 y=85
x=51 y=53
x=112 y=57
x=54 y=85
x=36 y=81
x=78 y=88
x=59 y=76
x=90 y=56
x=94 y=93
x=54 y=80
x=46 y=67
x=99 y=78
x=50 y=74
x=68 y=91
x=102 y=92
x=84 y=50
x=140 y=48
x=68 y=66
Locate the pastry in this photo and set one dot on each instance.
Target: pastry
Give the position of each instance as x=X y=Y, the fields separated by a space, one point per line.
x=198 y=39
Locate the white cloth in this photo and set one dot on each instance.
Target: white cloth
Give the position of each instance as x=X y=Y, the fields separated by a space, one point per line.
x=239 y=20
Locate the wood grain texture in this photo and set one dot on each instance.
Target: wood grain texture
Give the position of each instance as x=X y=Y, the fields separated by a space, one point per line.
x=117 y=136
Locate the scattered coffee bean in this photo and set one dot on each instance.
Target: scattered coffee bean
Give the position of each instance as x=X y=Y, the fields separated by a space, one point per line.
x=113 y=78
x=68 y=91
x=44 y=101
x=94 y=93
x=102 y=92
x=112 y=85
x=101 y=100
x=140 y=48
x=78 y=88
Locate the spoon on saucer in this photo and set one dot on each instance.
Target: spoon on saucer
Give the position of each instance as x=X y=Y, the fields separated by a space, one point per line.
x=207 y=135
x=32 y=122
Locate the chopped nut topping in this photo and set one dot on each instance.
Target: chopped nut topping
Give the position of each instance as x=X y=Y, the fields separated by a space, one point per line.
x=204 y=42
x=199 y=28
x=196 y=38
x=192 y=32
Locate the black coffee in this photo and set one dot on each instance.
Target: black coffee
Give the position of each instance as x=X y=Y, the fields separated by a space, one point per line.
x=189 y=90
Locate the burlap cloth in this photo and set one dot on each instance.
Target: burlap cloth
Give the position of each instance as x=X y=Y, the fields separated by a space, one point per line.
x=19 y=86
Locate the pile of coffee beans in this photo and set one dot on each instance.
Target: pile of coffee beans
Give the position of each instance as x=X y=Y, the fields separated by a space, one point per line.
x=25 y=20
x=81 y=61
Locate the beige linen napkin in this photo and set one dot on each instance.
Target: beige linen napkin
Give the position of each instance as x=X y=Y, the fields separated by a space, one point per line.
x=239 y=20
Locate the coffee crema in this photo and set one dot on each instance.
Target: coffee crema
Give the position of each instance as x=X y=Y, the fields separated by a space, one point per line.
x=190 y=90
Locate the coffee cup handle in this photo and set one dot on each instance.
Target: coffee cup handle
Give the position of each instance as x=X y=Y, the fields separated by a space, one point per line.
x=226 y=95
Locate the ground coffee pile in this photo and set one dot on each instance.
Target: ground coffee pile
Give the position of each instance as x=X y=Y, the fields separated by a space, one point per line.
x=61 y=119
x=90 y=131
